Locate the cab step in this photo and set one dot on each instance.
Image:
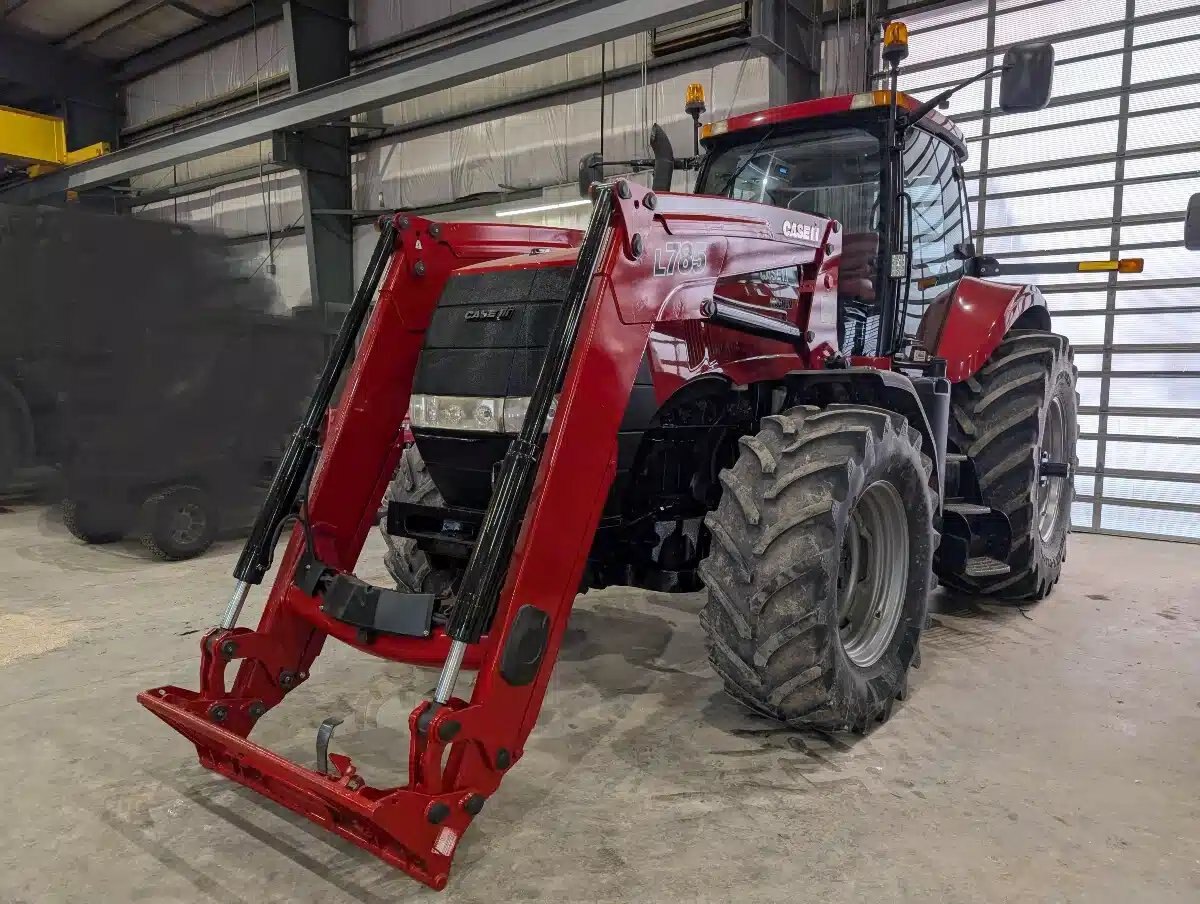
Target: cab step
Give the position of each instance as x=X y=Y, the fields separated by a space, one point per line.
x=985 y=567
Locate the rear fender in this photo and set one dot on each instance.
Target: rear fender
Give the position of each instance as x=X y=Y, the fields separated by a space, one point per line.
x=966 y=325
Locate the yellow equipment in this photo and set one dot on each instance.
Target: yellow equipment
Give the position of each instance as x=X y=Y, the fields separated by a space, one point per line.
x=40 y=141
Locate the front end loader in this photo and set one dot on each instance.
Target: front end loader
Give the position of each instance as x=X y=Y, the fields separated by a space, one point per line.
x=808 y=457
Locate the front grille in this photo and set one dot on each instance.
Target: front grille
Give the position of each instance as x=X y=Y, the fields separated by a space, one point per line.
x=489 y=334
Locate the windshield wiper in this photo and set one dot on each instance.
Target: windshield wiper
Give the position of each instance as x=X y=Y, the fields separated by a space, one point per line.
x=745 y=163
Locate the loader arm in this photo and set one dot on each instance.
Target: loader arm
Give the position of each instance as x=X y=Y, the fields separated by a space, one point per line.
x=645 y=259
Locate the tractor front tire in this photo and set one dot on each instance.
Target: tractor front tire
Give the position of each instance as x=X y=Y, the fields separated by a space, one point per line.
x=821 y=566
x=409 y=565
x=1020 y=410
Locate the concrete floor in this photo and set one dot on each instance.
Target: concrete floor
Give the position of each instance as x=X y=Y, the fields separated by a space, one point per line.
x=1045 y=755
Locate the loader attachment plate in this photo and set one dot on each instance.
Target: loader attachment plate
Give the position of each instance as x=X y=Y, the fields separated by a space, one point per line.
x=380 y=821
x=459 y=750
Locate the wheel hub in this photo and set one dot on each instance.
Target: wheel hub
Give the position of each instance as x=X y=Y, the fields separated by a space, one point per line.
x=187 y=524
x=1051 y=489
x=872 y=573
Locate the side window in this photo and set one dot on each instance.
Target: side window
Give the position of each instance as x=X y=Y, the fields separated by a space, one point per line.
x=937 y=221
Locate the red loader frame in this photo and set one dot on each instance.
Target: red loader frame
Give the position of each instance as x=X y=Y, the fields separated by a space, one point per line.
x=659 y=258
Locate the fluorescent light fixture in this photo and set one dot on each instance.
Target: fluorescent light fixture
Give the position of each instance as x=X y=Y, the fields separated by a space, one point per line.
x=541 y=207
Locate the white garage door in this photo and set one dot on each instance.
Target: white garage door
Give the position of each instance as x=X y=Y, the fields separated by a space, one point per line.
x=1110 y=163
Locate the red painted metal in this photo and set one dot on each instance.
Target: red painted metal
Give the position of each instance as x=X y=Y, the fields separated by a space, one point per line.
x=841 y=103
x=631 y=295
x=977 y=315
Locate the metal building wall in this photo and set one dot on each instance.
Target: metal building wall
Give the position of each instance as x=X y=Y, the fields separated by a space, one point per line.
x=1109 y=164
x=445 y=152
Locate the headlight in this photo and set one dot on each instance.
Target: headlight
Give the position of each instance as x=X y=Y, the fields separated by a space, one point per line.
x=484 y=415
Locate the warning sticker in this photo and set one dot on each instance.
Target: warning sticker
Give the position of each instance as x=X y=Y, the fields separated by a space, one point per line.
x=446 y=840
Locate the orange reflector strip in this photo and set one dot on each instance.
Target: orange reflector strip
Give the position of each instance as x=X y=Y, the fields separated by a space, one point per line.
x=1124 y=265
x=927 y=282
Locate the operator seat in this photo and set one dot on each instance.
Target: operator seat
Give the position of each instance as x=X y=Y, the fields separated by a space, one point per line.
x=856 y=276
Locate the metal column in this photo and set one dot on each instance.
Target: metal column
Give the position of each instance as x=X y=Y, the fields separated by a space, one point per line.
x=789 y=34
x=318 y=34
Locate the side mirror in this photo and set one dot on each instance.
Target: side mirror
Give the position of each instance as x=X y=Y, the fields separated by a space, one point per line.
x=591 y=170
x=664 y=158
x=1027 y=78
x=1191 y=224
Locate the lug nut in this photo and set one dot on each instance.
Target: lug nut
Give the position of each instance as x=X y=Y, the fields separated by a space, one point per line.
x=287 y=679
x=623 y=190
x=447 y=730
x=637 y=244
x=219 y=713
x=437 y=812
x=257 y=708
x=419 y=268
x=651 y=201
x=503 y=759
x=228 y=649
x=435 y=229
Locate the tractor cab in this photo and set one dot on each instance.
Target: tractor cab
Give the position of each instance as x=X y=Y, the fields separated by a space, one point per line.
x=828 y=157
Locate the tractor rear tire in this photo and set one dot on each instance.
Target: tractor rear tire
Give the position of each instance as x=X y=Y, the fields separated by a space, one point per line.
x=178 y=522
x=409 y=565
x=1020 y=409
x=821 y=566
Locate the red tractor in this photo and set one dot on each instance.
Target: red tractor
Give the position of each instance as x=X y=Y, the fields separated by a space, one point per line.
x=795 y=389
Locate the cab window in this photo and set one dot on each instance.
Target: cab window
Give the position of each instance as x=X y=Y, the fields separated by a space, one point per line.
x=937 y=219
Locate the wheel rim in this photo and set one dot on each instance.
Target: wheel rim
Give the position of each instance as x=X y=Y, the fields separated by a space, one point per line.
x=872 y=573
x=1051 y=489
x=187 y=524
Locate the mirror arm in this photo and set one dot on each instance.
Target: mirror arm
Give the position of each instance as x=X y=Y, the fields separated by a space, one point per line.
x=917 y=114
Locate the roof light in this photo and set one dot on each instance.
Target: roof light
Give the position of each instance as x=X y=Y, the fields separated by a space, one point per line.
x=694 y=94
x=870 y=99
x=895 y=42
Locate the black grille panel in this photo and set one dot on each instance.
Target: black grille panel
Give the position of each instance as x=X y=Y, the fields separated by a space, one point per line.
x=489 y=333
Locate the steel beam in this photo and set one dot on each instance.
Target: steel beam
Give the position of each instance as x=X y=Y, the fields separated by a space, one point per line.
x=544 y=31
x=318 y=37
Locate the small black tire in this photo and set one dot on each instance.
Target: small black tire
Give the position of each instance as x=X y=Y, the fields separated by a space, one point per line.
x=778 y=586
x=406 y=562
x=95 y=523
x=1001 y=419
x=178 y=522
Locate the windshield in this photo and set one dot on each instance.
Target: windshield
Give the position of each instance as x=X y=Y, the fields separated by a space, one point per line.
x=832 y=173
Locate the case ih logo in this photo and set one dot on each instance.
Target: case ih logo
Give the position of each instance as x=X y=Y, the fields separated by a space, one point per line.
x=802 y=231
x=489 y=314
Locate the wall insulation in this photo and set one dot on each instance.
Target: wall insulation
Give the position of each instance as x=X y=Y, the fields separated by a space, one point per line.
x=530 y=147
x=540 y=144
x=232 y=70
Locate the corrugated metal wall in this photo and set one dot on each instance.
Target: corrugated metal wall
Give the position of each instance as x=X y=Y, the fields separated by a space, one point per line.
x=1109 y=164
